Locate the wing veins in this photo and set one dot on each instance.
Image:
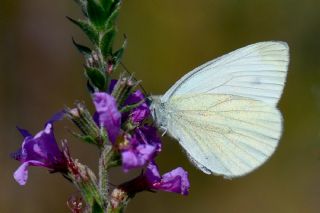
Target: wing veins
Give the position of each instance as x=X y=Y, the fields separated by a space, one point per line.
x=218 y=126
x=256 y=88
x=217 y=64
x=215 y=155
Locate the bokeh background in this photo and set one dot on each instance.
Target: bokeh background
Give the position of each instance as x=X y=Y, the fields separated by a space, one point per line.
x=41 y=72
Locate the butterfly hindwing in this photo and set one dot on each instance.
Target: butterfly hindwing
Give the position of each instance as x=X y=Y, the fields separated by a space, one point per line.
x=224 y=134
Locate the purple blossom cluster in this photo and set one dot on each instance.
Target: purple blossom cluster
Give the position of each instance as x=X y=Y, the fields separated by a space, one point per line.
x=120 y=128
x=137 y=147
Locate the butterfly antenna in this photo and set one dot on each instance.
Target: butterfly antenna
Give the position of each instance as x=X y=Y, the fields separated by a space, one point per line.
x=140 y=85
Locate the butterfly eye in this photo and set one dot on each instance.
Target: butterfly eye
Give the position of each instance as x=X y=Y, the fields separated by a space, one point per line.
x=149 y=100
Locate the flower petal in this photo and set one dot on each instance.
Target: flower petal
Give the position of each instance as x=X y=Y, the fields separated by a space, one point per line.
x=46 y=145
x=21 y=174
x=148 y=134
x=56 y=117
x=108 y=115
x=152 y=173
x=137 y=157
x=135 y=97
x=141 y=147
x=174 y=181
x=140 y=113
x=23 y=132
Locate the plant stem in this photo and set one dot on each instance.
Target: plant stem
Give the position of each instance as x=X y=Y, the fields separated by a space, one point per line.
x=105 y=157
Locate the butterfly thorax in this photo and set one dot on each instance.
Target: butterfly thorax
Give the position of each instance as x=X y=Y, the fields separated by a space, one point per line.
x=159 y=111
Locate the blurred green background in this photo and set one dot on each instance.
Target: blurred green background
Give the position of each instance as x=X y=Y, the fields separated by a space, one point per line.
x=41 y=72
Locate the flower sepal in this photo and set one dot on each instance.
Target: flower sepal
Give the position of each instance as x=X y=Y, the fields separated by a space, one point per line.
x=131 y=107
x=90 y=132
x=123 y=89
x=85 y=181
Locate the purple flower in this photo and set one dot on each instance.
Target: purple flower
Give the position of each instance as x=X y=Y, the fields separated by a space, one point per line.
x=137 y=156
x=138 y=114
x=174 y=181
x=142 y=144
x=140 y=147
x=142 y=111
x=112 y=85
x=107 y=114
x=39 y=150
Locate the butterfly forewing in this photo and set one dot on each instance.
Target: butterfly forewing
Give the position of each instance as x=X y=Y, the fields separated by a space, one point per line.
x=257 y=71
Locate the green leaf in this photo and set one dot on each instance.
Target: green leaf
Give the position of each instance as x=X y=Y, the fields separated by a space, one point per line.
x=106 y=4
x=86 y=51
x=117 y=56
x=96 y=78
x=114 y=15
x=97 y=14
x=90 y=87
x=88 y=139
x=106 y=42
x=104 y=135
x=88 y=29
x=96 y=208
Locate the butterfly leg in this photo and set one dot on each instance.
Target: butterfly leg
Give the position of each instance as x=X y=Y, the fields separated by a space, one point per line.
x=164 y=129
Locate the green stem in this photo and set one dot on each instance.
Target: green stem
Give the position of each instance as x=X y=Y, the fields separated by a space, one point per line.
x=105 y=157
x=117 y=210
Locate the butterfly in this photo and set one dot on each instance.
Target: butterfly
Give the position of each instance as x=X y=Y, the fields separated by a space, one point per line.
x=224 y=113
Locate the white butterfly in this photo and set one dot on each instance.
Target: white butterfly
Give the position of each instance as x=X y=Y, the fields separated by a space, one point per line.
x=224 y=113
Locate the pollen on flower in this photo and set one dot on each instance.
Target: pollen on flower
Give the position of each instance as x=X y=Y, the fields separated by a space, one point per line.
x=117 y=197
x=123 y=143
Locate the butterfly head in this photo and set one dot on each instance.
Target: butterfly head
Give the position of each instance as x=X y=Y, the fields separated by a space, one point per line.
x=158 y=111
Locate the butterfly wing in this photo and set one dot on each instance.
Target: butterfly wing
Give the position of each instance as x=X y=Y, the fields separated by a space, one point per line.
x=257 y=71
x=224 y=112
x=224 y=134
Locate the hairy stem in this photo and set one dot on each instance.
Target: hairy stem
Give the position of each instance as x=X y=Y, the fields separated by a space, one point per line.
x=105 y=157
